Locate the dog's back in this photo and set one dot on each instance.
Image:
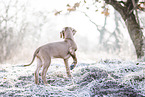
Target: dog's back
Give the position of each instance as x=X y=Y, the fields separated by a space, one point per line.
x=56 y=49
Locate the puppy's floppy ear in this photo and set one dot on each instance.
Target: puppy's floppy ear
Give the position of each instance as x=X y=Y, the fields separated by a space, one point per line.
x=74 y=31
x=62 y=34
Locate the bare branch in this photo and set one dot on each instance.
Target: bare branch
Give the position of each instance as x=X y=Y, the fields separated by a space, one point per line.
x=117 y=6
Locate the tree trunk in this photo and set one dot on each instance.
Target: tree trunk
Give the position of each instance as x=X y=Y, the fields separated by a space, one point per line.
x=136 y=34
x=133 y=27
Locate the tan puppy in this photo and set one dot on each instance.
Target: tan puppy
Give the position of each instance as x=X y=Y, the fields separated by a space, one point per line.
x=63 y=50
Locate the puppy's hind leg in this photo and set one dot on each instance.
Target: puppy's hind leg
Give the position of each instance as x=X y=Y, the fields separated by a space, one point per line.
x=39 y=65
x=44 y=71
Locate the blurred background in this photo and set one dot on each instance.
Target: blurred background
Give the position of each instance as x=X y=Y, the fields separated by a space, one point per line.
x=27 y=24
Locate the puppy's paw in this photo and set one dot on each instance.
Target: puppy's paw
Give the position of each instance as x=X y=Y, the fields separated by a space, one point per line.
x=72 y=66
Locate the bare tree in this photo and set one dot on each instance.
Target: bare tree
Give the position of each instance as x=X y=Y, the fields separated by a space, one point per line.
x=126 y=9
x=11 y=30
x=129 y=13
x=116 y=34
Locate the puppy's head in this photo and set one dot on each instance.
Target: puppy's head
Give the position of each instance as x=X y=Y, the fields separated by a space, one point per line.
x=62 y=33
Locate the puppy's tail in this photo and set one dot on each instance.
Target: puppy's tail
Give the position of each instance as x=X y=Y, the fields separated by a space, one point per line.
x=35 y=53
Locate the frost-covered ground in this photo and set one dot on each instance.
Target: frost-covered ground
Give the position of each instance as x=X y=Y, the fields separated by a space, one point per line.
x=108 y=78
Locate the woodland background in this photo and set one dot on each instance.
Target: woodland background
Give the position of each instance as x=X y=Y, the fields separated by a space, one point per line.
x=101 y=31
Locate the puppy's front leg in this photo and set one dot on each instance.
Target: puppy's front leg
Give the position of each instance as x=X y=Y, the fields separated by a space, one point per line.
x=74 y=61
x=67 y=67
x=73 y=55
